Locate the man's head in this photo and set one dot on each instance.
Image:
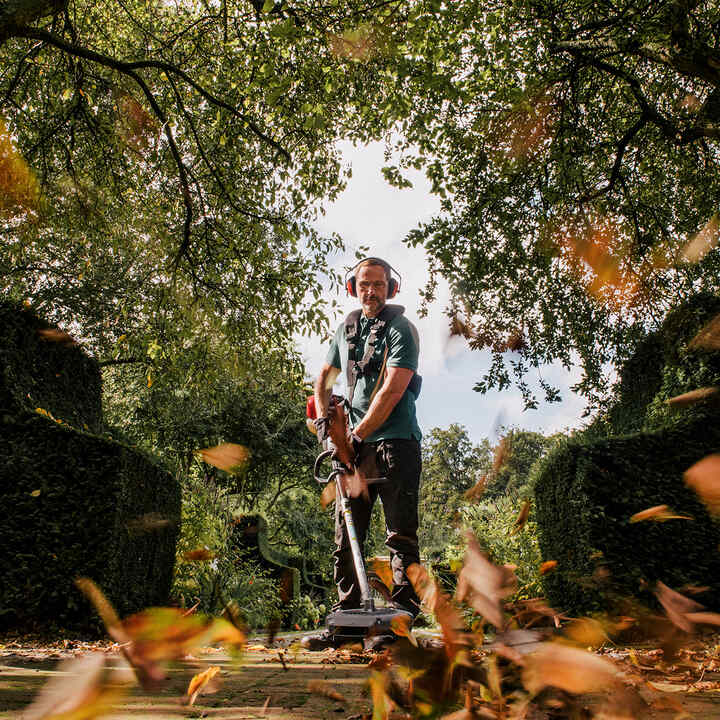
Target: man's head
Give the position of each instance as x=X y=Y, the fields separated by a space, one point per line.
x=372 y=279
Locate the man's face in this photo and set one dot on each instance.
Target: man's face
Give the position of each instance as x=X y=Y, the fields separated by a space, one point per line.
x=372 y=289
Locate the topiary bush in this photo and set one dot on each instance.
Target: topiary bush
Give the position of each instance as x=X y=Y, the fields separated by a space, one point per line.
x=76 y=505
x=586 y=492
x=41 y=368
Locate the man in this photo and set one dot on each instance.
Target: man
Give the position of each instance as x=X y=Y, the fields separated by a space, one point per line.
x=379 y=362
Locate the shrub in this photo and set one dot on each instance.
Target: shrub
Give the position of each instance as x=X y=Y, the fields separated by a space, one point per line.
x=586 y=492
x=55 y=376
x=493 y=524
x=80 y=505
x=305 y=614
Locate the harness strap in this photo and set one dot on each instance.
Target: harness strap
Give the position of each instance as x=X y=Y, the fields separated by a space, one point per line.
x=356 y=368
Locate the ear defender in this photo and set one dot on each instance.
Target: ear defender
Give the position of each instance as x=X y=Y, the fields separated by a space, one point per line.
x=351 y=283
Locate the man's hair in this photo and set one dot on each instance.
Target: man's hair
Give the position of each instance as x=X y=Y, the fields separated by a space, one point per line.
x=377 y=262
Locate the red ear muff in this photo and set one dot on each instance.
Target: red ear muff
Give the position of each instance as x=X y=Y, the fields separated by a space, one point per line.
x=350 y=287
x=392 y=288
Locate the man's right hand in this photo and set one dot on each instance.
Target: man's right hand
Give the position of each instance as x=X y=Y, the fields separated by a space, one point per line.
x=322 y=425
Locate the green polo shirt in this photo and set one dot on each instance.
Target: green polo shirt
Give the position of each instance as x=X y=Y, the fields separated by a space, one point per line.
x=403 y=344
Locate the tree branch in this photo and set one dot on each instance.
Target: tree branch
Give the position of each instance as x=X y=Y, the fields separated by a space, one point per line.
x=622 y=145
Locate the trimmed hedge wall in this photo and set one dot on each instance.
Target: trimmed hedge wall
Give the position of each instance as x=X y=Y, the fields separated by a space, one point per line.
x=585 y=494
x=85 y=521
x=41 y=373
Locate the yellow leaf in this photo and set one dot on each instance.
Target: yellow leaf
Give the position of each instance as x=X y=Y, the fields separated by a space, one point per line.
x=227 y=456
x=201 y=683
x=35 y=493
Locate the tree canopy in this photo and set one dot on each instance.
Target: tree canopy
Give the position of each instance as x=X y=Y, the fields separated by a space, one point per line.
x=575 y=145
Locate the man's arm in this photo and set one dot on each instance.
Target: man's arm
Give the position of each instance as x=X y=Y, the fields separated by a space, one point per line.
x=323 y=386
x=382 y=405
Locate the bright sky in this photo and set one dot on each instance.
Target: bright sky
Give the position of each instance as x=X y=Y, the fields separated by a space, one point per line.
x=370 y=212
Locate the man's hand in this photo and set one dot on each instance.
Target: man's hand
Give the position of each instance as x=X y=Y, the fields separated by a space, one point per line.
x=322 y=424
x=356 y=442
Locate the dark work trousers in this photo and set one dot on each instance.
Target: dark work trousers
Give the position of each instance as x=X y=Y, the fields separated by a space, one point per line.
x=399 y=461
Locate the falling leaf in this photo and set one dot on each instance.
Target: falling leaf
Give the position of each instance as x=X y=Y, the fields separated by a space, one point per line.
x=382 y=569
x=79 y=690
x=35 y=493
x=658 y=513
x=677 y=606
x=55 y=335
x=228 y=456
x=477 y=490
x=318 y=687
x=199 y=555
x=567 y=668
x=438 y=603
x=548 y=566
x=704 y=478
x=502 y=453
x=704 y=241
x=361 y=43
x=401 y=625
x=327 y=495
x=202 y=683
x=692 y=397
x=709 y=336
x=483 y=584
x=19 y=188
x=522 y=518
x=587 y=632
x=382 y=704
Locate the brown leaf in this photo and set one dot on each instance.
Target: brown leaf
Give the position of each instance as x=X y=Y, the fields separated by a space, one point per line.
x=202 y=683
x=587 y=632
x=522 y=518
x=709 y=336
x=502 y=453
x=677 y=607
x=658 y=513
x=704 y=478
x=567 y=668
x=318 y=687
x=692 y=397
x=199 y=555
x=77 y=691
x=704 y=241
x=56 y=335
x=227 y=456
x=327 y=495
x=548 y=566
x=401 y=625
x=382 y=704
x=439 y=603
x=483 y=584
x=382 y=569
x=477 y=490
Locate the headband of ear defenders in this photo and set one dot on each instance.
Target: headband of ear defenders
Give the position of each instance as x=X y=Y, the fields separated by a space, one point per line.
x=393 y=284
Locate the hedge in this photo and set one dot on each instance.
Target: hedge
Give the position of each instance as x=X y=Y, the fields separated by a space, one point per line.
x=75 y=505
x=585 y=494
x=37 y=372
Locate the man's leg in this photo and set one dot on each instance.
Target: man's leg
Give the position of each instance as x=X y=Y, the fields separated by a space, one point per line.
x=361 y=508
x=400 y=461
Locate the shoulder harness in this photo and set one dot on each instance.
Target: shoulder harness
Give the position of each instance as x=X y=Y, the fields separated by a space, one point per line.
x=358 y=368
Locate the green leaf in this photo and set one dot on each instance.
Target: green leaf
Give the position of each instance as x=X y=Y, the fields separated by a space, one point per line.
x=268 y=5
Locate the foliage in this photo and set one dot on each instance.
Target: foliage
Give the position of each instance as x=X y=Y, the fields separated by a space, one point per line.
x=41 y=368
x=587 y=490
x=93 y=508
x=575 y=147
x=452 y=464
x=305 y=614
x=665 y=364
x=493 y=524
x=224 y=574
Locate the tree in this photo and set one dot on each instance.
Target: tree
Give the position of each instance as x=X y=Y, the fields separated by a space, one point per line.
x=522 y=449
x=575 y=145
x=180 y=154
x=452 y=464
